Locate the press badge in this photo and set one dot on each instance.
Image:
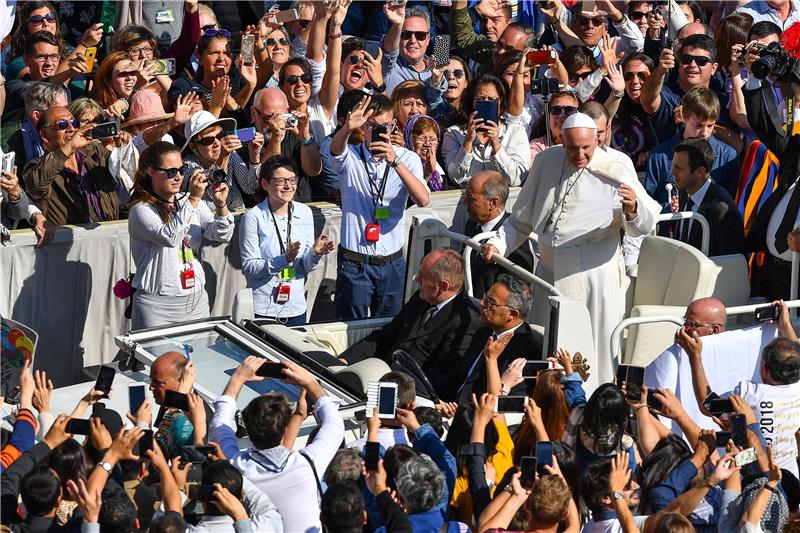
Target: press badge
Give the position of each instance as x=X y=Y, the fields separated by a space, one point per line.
x=282 y=293
x=187 y=278
x=165 y=16
x=382 y=213
x=287 y=273
x=372 y=232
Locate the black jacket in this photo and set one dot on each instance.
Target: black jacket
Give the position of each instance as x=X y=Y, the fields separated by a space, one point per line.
x=523 y=344
x=725 y=223
x=485 y=274
x=438 y=345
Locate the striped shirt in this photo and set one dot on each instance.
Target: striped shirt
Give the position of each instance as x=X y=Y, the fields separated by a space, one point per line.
x=240 y=177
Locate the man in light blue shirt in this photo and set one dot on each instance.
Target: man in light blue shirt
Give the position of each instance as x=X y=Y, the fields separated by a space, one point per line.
x=376 y=180
x=784 y=13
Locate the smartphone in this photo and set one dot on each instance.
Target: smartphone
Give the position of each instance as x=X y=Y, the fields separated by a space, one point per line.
x=745 y=457
x=487 y=110
x=371 y=455
x=90 y=55
x=176 y=399
x=196 y=454
x=105 y=130
x=379 y=132
x=545 y=86
x=532 y=368
x=510 y=404
x=722 y=438
x=541 y=57
x=163 y=66
x=441 y=51
x=720 y=406
x=270 y=370
x=544 y=456
x=78 y=426
x=201 y=492
x=739 y=430
x=281 y=17
x=652 y=401
x=104 y=380
x=371 y=47
x=528 y=467
x=245 y=134
x=146 y=442
x=767 y=313
x=248 y=44
x=633 y=378
x=97 y=410
x=8 y=162
x=387 y=400
x=136 y=396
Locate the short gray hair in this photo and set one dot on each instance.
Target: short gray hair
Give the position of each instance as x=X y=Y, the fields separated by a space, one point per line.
x=41 y=95
x=450 y=267
x=520 y=296
x=417 y=12
x=345 y=466
x=420 y=483
x=496 y=186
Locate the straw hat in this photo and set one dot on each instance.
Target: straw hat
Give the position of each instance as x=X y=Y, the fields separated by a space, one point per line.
x=146 y=106
x=202 y=120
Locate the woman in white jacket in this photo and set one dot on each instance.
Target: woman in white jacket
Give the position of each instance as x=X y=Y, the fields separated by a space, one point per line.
x=166 y=229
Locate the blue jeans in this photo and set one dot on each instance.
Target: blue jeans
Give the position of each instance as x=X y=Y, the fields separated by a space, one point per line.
x=364 y=290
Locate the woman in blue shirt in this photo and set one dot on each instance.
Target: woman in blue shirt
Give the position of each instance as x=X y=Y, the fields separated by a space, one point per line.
x=278 y=246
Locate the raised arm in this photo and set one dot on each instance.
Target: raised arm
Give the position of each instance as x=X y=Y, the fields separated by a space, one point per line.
x=694 y=349
x=651 y=90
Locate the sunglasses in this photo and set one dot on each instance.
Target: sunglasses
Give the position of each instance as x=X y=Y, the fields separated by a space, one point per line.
x=457 y=73
x=172 y=172
x=563 y=110
x=686 y=59
x=38 y=19
x=64 y=124
x=355 y=59
x=213 y=31
x=628 y=76
x=582 y=76
x=636 y=15
x=293 y=79
x=418 y=35
x=594 y=21
x=283 y=41
x=208 y=141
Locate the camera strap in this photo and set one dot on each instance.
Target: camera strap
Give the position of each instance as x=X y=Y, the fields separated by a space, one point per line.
x=789 y=114
x=377 y=190
x=288 y=227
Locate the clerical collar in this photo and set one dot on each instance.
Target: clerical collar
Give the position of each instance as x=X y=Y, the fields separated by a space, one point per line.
x=489 y=226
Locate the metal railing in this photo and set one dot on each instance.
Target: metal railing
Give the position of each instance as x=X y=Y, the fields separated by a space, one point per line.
x=705 y=234
x=467 y=254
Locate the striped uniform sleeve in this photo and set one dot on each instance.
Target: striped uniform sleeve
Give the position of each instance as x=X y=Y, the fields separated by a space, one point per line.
x=21 y=440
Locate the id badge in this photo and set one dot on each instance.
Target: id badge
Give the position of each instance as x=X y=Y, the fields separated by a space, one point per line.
x=282 y=294
x=165 y=16
x=382 y=213
x=372 y=232
x=187 y=278
x=287 y=273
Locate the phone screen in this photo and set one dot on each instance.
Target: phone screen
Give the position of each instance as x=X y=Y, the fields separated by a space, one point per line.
x=634 y=382
x=248 y=44
x=270 y=370
x=371 y=455
x=532 y=368
x=146 y=442
x=511 y=404
x=176 y=399
x=528 y=468
x=196 y=454
x=720 y=406
x=136 y=397
x=105 y=379
x=544 y=456
x=387 y=401
x=246 y=134
x=739 y=430
x=78 y=426
x=722 y=438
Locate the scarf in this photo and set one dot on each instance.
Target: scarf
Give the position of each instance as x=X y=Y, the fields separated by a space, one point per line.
x=435 y=179
x=86 y=186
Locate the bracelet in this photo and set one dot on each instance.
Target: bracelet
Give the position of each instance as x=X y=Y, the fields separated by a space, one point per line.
x=84 y=45
x=619 y=94
x=335 y=35
x=770 y=488
x=509 y=489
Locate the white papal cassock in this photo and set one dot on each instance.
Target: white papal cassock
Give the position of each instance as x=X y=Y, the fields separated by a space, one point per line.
x=577 y=216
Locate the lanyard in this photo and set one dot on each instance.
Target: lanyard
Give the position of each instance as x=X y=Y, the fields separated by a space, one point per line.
x=288 y=227
x=376 y=191
x=187 y=254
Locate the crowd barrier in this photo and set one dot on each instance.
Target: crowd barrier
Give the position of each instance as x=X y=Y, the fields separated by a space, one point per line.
x=64 y=290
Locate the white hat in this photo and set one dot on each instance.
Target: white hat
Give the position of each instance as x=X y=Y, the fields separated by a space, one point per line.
x=202 y=120
x=579 y=120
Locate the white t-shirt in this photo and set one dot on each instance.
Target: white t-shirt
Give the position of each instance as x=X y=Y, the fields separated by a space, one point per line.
x=777 y=410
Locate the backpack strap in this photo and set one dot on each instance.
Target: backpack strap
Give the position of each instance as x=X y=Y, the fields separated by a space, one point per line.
x=316 y=476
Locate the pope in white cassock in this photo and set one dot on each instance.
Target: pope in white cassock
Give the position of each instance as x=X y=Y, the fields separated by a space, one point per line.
x=576 y=198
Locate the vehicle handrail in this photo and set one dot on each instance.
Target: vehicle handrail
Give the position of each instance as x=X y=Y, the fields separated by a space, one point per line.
x=705 y=234
x=500 y=260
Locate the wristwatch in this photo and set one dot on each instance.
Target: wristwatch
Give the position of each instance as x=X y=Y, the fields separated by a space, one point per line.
x=377 y=88
x=106 y=466
x=617 y=496
x=308 y=141
x=395 y=163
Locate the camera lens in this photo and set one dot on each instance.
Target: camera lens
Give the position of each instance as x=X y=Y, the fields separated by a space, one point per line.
x=763 y=66
x=218 y=176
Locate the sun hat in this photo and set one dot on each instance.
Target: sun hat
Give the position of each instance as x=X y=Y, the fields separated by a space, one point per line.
x=202 y=120
x=146 y=106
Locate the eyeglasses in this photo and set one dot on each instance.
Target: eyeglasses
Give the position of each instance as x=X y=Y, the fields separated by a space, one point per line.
x=580 y=76
x=418 y=35
x=303 y=23
x=456 y=72
x=696 y=325
x=172 y=172
x=39 y=19
x=628 y=76
x=211 y=139
x=141 y=50
x=293 y=79
x=272 y=41
x=210 y=32
x=44 y=58
x=686 y=59
x=491 y=303
x=63 y=124
x=594 y=21
x=425 y=140
x=636 y=15
x=292 y=180
x=565 y=110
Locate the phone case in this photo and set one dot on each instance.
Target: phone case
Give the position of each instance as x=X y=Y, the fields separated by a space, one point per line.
x=287 y=16
x=90 y=54
x=248 y=43
x=441 y=50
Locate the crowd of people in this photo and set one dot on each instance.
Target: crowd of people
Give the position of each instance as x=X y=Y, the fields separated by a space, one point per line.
x=605 y=114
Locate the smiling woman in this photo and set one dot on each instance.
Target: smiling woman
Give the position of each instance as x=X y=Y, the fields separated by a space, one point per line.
x=115 y=80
